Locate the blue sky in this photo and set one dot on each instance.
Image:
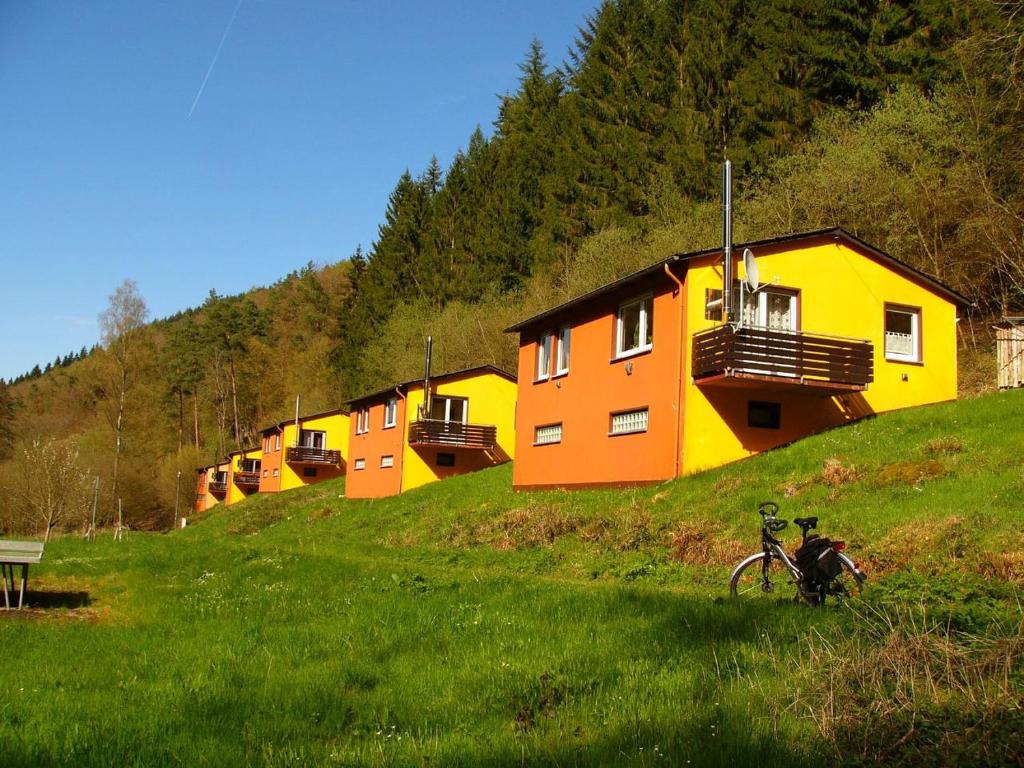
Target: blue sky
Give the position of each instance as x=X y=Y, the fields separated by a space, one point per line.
x=310 y=113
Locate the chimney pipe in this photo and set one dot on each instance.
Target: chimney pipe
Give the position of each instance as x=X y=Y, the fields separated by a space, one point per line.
x=727 y=241
x=426 y=378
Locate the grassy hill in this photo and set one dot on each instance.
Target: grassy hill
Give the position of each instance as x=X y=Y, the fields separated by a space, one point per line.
x=463 y=623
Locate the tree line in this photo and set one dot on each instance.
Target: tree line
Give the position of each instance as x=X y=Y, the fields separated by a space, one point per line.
x=901 y=121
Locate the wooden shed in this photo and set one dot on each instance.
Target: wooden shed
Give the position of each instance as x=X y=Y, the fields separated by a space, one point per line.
x=1010 y=352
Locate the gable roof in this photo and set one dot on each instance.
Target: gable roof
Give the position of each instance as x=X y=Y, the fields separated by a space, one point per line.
x=307 y=417
x=837 y=233
x=434 y=377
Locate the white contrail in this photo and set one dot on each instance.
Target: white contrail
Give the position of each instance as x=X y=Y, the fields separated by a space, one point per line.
x=213 y=62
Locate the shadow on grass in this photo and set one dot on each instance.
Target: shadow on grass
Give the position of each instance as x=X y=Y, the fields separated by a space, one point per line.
x=52 y=599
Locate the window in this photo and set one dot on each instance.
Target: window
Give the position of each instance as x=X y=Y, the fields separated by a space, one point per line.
x=562 y=363
x=446 y=459
x=903 y=334
x=774 y=309
x=391 y=412
x=309 y=471
x=635 y=327
x=629 y=422
x=544 y=357
x=249 y=465
x=264 y=473
x=363 y=421
x=275 y=473
x=360 y=464
x=451 y=409
x=764 y=415
x=277 y=442
x=386 y=462
x=313 y=439
x=548 y=434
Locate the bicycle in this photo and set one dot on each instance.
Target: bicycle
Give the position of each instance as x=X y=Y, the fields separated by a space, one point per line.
x=819 y=568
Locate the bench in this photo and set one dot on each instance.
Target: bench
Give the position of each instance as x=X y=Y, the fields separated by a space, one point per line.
x=12 y=553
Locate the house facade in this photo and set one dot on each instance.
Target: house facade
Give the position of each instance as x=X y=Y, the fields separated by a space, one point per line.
x=401 y=440
x=212 y=485
x=243 y=474
x=301 y=452
x=641 y=380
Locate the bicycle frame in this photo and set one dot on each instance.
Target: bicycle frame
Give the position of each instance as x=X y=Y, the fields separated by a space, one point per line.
x=773 y=549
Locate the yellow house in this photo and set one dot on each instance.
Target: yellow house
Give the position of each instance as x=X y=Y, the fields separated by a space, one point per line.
x=401 y=440
x=212 y=485
x=300 y=452
x=244 y=474
x=644 y=379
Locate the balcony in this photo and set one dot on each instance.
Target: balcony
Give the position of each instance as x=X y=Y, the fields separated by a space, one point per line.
x=247 y=479
x=219 y=488
x=451 y=434
x=770 y=358
x=300 y=454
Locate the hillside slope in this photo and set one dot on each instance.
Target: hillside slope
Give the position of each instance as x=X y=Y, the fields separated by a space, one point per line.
x=466 y=624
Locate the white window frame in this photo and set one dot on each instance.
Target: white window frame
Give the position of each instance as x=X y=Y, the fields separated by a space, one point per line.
x=564 y=350
x=391 y=412
x=544 y=356
x=915 y=334
x=387 y=461
x=277 y=441
x=359 y=464
x=542 y=437
x=623 y=417
x=448 y=408
x=645 y=326
x=303 y=433
x=362 y=421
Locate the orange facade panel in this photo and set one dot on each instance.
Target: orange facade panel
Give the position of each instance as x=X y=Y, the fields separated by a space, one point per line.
x=376 y=449
x=611 y=418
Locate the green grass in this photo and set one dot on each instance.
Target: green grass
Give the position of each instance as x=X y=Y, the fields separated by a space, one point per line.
x=465 y=624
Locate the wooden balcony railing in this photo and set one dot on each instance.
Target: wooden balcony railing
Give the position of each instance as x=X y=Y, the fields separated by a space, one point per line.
x=214 y=487
x=782 y=356
x=300 y=454
x=449 y=434
x=247 y=479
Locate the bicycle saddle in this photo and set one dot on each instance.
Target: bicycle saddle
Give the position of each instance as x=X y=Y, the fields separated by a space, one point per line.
x=806 y=523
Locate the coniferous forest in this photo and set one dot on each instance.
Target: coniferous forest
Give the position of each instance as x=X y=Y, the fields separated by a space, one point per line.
x=901 y=121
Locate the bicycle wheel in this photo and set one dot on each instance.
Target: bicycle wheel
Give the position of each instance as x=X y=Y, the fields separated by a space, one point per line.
x=849 y=582
x=748 y=578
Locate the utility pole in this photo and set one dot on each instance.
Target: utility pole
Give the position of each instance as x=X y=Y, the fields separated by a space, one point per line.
x=91 y=533
x=177 y=496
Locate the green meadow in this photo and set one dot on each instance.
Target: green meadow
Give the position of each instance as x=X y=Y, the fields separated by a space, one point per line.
x=465 y=624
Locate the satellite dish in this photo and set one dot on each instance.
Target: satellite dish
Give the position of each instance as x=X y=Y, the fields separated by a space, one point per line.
x=750 y=268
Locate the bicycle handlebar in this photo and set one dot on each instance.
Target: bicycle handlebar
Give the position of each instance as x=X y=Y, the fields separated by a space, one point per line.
x=768 y=505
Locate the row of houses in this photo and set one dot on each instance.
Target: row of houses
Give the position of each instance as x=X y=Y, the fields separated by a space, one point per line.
x=645 y=379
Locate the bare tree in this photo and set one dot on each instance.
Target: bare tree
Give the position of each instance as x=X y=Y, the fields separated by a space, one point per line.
x=52 y=487
x=121 y=328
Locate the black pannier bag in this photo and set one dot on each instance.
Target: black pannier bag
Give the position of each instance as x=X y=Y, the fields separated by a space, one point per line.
x=817 y=561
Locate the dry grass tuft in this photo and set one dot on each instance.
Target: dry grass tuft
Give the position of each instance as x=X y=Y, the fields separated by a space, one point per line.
x=901 y=688
x=835 y=474
x=701 y=542
x=944 y=539
x=948 y=445
x=537 y=524
x=1004 y=566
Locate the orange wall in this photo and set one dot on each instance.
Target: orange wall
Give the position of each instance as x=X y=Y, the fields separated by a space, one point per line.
x=596 y=386
x=373 y=481
x=271 y=461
